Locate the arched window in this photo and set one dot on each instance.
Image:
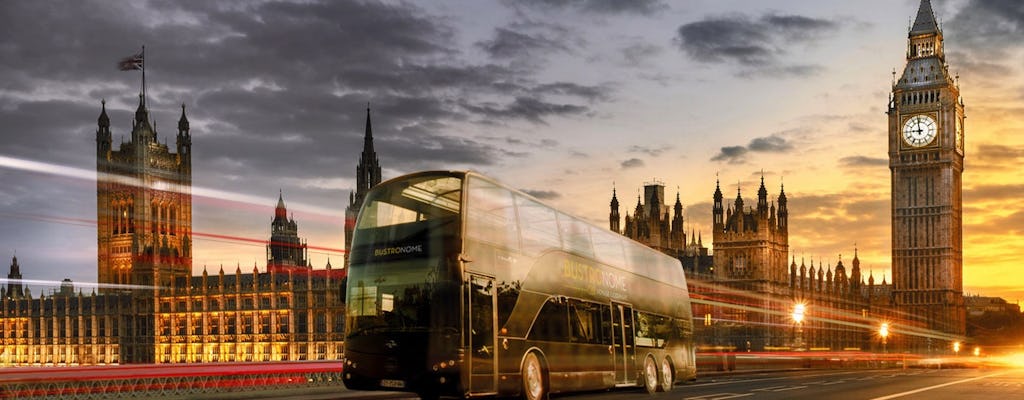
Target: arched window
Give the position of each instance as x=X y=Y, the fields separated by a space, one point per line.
x=174 y=221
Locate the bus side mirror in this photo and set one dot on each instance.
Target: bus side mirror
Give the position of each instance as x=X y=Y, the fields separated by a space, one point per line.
x=464 y=258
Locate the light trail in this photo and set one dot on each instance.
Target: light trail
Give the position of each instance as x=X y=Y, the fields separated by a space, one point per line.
x=197 y=235
x=77 y=285
x=712 y=297
x=720 y=296
x=213 y=194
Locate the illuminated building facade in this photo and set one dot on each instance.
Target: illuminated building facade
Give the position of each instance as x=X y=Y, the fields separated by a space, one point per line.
x=747 y=290
x=751 y=294
x=257 y=316
x=926 y=160
x=150 y=308
x=143 y=204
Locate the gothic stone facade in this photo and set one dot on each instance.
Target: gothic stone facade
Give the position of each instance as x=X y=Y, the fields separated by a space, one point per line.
x=287 y=312
x=143 y=204
x=745 y=292
x=926 y=159
x=367 y=176
x=650 y=224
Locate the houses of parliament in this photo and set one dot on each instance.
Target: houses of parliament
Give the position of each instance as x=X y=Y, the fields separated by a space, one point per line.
x=747 y=292
x=150 y=308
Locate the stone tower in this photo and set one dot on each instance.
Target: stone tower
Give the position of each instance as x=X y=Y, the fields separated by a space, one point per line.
x=143 y=204
x=926 y=160
x=15 y=290
x=367 y=176
x=614 y=219
x=285 y=249
x=752 y=245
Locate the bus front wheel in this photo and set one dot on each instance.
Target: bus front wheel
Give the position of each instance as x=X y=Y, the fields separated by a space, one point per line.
x=533 y=378
x=650 y=375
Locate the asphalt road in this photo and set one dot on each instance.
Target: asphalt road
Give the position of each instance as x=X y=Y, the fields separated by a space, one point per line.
x=930 y=384
x=884 y=384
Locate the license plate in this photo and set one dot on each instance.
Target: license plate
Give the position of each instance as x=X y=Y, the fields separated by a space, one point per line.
x=392 y=383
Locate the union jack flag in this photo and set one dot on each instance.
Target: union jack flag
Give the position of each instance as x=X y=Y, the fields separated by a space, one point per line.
x=131 y=63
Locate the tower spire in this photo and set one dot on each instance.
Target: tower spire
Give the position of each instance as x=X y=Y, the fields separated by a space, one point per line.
x=368 y=170
x=925 y=21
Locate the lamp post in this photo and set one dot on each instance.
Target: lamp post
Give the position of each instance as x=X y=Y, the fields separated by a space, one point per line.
x=883 y=331
x=798 y=318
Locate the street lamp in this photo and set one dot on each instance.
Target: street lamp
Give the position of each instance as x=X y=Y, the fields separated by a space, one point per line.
x=883 y=331
x=956 y=348
x=798 y=317
x=977 y=351
x=798 y=312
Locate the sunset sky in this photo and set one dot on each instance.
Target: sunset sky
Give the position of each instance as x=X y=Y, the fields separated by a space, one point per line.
x=563 y=99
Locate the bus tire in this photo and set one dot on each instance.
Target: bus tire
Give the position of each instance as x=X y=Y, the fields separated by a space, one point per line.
x=650 y=375
x=534 y=379
x=666 y=377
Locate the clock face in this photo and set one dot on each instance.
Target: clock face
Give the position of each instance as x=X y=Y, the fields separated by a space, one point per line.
x=919 y=130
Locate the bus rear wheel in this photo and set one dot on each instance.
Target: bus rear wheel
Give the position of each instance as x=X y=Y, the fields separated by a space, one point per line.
x=650 y=375
x=666 y=377
x=533 y=378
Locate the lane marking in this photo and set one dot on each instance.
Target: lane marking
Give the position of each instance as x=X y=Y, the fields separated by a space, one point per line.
x=768 y=389
x=910 y=392
x=719 y=396
x=727 y=381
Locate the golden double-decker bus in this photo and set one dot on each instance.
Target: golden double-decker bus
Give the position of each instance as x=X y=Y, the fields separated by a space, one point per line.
x=461 y=286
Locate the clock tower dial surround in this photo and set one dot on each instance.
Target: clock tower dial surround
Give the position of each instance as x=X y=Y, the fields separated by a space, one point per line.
x=926 y=161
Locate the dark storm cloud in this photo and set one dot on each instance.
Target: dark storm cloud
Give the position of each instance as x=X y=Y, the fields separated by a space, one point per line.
x=526 y=108
x=637 y=54
x=769 y=144
x=766 y=144
x=272 y=78
x=276 y=92
x=731 y=154
x=632 y=163
x=651 y=151
x=590 y=93
x=780 y=71
x=542 y=194
x=641 y=7
x=987 y=26
x=862 y=161
x=509 y=44
x=761 y=42
x=1000 y=225
x=996 y=192
x=997 y=157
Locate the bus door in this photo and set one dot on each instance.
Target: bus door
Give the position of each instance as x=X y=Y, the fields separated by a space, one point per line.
x=623 y=348
x=481 y=328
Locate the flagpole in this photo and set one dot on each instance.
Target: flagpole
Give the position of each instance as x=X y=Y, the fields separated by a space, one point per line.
x=144 y=98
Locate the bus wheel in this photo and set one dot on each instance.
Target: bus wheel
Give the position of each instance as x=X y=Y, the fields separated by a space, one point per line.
x=650 y=375
x=667 y=378
x=533 y=378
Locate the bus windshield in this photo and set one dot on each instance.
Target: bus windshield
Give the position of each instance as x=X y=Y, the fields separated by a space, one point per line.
x=399 y=265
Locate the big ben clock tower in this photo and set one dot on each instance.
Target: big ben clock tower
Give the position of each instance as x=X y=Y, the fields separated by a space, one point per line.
x=926 y=159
